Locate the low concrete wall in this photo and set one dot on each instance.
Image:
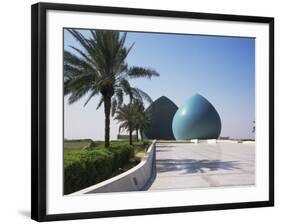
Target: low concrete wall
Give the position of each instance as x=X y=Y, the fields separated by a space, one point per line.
x=195 y=141
x=173 y=141
x=249 y=142
x=134 y=179
x=227 y=141
x=209 y=141
x=236 y=141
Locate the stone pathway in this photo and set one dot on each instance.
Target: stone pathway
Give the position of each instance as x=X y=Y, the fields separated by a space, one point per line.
x=186 y=165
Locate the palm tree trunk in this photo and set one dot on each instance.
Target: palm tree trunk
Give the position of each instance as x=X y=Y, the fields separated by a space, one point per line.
x=107 y=105
x=130 y=136
x=137 y=133
x=141 y=134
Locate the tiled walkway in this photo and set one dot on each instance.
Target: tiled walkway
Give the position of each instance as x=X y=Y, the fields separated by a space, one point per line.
x=186 y=165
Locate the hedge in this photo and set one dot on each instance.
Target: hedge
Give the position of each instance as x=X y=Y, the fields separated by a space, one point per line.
x=83 y=168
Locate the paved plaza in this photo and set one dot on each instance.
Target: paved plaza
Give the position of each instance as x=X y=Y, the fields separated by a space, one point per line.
x=187 y=165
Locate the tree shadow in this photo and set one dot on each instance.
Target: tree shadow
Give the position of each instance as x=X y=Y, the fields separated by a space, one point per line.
x=190 y=166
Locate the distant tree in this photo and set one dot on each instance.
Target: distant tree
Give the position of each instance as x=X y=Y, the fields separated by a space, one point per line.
x=126 y=117
x=143 y=119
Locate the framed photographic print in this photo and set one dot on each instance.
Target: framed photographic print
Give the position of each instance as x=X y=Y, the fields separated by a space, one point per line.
x=139 y=111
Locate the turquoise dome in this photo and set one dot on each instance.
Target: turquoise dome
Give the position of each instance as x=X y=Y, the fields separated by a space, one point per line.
x=196 y=119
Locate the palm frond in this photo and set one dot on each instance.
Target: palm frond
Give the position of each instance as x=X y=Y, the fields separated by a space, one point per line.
x=82 y=54
x=77 y=94
x=113 y=106
x=141 y=95
x=119 y=96
x=100 y=103
x=94 y=93
x=74 y=61
x=126 y=87
x=81 y=39
x=140 y=72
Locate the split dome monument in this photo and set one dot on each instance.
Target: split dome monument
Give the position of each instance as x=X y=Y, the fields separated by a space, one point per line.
x=161 y=113
x=196 y=118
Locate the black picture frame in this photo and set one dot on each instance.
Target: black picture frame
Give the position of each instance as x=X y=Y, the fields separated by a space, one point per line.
x=39 y=122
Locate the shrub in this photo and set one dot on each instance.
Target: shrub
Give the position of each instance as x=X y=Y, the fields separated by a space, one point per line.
x=83 y=168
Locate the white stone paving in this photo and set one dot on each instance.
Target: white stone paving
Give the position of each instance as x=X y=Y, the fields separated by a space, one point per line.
x=187 y=165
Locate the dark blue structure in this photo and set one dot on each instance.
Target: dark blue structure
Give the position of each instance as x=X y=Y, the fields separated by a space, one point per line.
x=196 y=119
x=161 y=113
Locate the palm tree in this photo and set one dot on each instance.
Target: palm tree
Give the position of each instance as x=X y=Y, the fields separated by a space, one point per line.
x=144 y=123
x=132 y=117
x=98 y=67
x=126 y=116
x=143 y=120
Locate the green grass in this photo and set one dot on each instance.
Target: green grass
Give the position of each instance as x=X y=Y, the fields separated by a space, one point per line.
x=140 y=145
x=83 y=168
x=78 y=144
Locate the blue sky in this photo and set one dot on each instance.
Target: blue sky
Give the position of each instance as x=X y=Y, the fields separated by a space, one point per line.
x=222 y=69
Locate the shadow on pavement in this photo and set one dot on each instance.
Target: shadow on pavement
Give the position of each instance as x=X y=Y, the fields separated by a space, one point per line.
x=195 y=166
